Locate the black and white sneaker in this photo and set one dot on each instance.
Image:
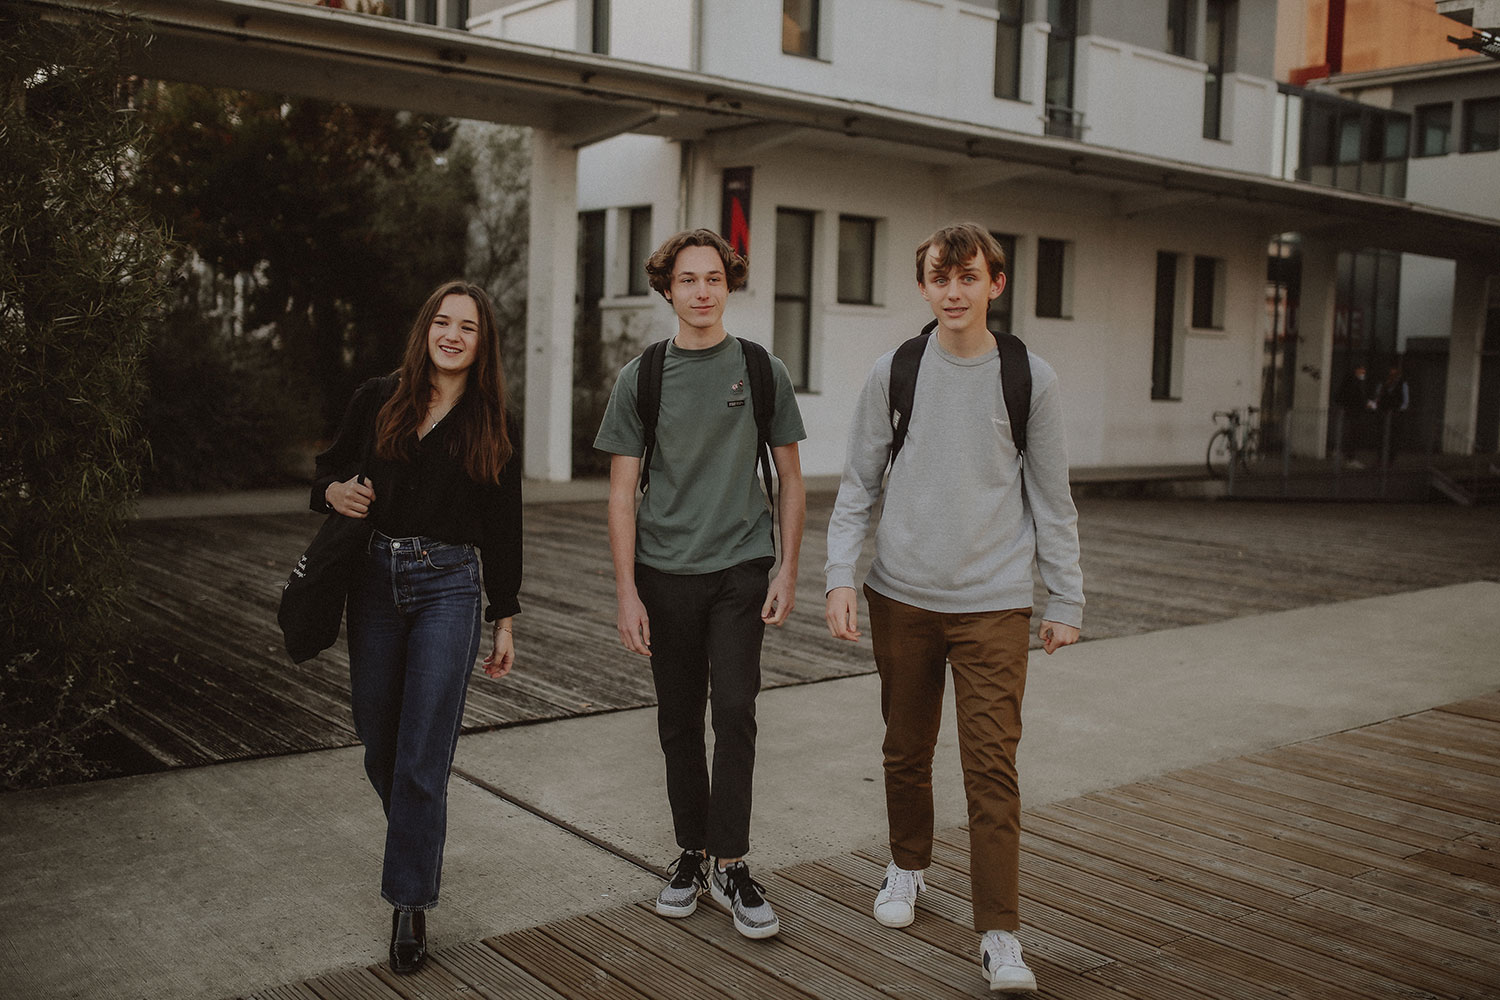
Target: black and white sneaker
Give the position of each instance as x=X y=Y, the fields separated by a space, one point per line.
x=744 y=897
x=1003 y=967
x=679 y=897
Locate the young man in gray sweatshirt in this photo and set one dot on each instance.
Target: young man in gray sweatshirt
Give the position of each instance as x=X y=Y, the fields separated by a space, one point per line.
x=951 y=581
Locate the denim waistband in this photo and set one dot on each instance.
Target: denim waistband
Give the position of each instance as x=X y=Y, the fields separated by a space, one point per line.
x=416 y=543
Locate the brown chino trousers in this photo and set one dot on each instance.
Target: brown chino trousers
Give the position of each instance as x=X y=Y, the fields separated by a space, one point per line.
x=988 y=652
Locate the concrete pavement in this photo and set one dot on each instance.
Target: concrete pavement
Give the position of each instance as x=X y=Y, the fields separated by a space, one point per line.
x=223 y=880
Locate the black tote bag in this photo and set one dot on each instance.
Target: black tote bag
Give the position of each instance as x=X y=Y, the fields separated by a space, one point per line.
x=312 y=602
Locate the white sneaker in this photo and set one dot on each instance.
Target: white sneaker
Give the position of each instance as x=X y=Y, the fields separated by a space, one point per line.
x=896 y=902
x=1004 y=968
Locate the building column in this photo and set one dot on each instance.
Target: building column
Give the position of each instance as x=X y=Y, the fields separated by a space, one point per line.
x=551 y=278
x=1471 y=297
x=1307 y=431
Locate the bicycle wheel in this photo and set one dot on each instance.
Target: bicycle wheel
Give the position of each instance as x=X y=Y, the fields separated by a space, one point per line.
x=1220 y=449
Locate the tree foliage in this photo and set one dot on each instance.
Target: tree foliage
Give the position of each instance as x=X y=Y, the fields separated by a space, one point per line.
x=81 y=280
x=339 y=218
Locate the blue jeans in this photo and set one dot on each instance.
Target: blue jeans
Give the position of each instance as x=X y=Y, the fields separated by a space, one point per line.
x=414 y=617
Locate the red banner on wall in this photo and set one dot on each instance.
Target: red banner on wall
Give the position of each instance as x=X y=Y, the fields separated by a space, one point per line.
x=734 y=218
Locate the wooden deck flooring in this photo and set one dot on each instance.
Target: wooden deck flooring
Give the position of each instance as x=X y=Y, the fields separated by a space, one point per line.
x=210 y=682
x=1358 y=866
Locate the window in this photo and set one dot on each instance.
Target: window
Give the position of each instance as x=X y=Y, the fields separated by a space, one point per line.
x=1062 y=17
x=1008 y=49
x=425 y=11
x=1482 y=125
x=1166 y=340
x=599 y=28
x=999 y=318
x=639 y=221
x=799 y=27
x=791 y=338
x=1215 y=37
x=1054 y=279
x=856 y=260
x=1208 y=293
x=1179 y=27
x=1434 y=122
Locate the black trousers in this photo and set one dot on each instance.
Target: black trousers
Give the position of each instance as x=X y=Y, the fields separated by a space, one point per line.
x=705 y=650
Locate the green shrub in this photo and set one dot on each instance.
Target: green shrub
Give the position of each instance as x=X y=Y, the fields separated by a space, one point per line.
x=80 y=281
x=224 y=410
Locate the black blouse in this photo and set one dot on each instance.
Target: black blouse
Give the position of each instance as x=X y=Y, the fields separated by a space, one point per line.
x=431 y=495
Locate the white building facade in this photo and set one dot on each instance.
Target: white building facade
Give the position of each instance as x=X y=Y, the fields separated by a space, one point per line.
x=1151 y=303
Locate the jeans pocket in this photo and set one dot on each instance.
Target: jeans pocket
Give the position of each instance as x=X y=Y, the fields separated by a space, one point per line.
x=444 y=557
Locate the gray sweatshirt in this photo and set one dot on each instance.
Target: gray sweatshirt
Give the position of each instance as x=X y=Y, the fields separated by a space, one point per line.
x=960 y=526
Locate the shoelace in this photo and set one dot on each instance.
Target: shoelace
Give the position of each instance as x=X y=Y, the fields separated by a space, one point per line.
x=904 y=884
x=1003 y=951
x=680 y=867
x=742 y=886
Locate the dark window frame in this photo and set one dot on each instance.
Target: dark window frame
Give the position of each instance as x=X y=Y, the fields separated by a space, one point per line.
x=1164 y=334
x=1471 y=108
x=637 y=250
x=1180 y=27
x=1001 y=315
x=1053 y=278
x=599 y=27
x=1009 y=37
x=808 y=36
x=801 y=374
x=1425 y=116
x=1209 y=273
x=1217 y=14
x=865 y=296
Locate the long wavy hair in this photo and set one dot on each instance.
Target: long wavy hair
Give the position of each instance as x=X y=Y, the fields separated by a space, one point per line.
x=482 y=438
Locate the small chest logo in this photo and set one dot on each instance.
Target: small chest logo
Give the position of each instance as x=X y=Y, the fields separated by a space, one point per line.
x=738 y=388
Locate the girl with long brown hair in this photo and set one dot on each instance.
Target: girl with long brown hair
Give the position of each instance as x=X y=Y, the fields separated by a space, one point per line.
x=440 y=489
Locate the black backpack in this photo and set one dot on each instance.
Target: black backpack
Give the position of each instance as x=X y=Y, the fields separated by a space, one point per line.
x=762 y=398
x=1015 y=384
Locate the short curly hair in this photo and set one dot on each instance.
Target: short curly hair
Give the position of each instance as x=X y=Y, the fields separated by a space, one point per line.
x=957 y=245
x=660 y=264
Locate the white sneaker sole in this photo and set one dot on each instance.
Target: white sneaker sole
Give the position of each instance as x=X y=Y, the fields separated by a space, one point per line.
x=677 y=912
x=896 y=921
x=754 y=933
x=1017 y=981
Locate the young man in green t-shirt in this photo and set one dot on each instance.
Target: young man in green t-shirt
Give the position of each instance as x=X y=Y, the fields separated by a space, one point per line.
x=691 y=565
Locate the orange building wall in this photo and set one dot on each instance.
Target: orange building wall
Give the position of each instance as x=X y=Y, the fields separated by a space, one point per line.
x=1378 y=34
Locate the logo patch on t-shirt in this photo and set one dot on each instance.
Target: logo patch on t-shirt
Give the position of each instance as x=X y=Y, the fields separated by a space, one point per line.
x=735 y=402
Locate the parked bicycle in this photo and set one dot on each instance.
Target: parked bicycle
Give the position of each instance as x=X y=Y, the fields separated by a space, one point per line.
x=1235 y=441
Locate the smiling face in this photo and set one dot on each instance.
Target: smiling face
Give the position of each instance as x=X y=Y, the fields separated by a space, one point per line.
x=699 y=290
x=453 y=336
x=961 y=294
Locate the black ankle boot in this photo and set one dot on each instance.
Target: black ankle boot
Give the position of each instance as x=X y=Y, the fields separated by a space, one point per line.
x=408 y=941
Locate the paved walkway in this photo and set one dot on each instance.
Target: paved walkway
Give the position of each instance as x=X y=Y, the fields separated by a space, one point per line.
x=227 y=880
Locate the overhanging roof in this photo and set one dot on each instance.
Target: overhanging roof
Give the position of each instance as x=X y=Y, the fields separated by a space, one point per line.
x=340 y=55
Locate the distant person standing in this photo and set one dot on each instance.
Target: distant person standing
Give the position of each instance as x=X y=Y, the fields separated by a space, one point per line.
x=1355 y=400
x=1392 y=400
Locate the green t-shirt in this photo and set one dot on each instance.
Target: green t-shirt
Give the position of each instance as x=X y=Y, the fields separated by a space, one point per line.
x=706 y=509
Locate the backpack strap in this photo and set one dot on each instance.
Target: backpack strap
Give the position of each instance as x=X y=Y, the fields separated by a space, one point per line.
x=903 y=387
x=763 y=399
x=1015 y=385
x=648 y=402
